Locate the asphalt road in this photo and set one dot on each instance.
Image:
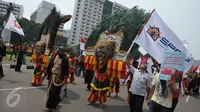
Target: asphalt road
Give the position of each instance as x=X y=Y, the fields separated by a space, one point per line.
x=17 y=95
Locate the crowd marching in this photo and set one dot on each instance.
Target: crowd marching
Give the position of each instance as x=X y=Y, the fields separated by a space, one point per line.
x=140 y=85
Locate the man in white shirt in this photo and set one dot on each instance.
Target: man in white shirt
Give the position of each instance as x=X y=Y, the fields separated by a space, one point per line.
x=141 y=84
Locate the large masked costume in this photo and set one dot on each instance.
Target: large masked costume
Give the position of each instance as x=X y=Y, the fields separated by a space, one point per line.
x=46 y=42
x=106 y=60
x=45 y=45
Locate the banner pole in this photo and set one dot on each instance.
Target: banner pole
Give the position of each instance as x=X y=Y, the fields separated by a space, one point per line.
x=146 y=20
x=133 y=42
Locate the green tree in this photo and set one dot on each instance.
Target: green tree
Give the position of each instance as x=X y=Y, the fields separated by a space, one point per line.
x=129 y=22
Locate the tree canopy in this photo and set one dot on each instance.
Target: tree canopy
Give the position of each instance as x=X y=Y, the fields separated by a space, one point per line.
x=129 y=22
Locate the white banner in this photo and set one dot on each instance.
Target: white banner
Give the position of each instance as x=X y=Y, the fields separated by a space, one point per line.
x=13 y=25
x=82 y=46
x=156 y=38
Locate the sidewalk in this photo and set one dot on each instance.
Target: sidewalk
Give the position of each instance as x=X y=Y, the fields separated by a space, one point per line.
x=10 y=64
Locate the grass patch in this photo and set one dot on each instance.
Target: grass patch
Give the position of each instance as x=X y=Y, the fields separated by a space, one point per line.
x=13 y=62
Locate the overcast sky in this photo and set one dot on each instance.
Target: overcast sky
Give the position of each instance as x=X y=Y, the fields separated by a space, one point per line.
x=182 y=16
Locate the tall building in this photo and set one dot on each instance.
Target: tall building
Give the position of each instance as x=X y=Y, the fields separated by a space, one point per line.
x=118 y=7
x=87 y=14
x=40 y=14
x=42 y=11
x=18 y=9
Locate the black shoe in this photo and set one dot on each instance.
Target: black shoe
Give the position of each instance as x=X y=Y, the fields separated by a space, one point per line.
x=88 y=90
x=49 y=110
x=2 y=75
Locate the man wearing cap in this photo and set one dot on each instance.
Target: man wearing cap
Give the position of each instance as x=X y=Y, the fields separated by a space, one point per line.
x=141 y=83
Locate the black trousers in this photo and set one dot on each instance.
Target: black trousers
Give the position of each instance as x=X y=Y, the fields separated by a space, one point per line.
x=155 y=107
x=13 y=53
x=1 y=70
x=88 y=78
x=174 y=103
x=18 y=66
x=1 y=67
x=54 y=97
x=136 y=103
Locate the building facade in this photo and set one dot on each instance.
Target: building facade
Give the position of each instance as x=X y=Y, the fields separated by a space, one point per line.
x=18 y=9
x=87 y=14
x=118 y=7
x=40 y=14
x=42 y=11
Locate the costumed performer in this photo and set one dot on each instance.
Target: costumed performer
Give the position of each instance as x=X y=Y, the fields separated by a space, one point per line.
x=59 y=77
x=72 y=68
x=40 y=65
x=104 y=51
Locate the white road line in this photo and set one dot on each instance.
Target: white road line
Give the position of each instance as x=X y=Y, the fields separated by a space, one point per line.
x=187 y=99
x=9 y=69
x=24 y=88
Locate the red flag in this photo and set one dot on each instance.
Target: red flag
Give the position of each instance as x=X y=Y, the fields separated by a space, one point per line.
x=83 y=40
x=82 y=43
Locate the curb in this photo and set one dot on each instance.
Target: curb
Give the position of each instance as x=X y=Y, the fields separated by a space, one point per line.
x=8 y=66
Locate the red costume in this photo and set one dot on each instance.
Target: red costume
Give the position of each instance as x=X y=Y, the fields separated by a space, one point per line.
x=72 y=68
x=115 y=84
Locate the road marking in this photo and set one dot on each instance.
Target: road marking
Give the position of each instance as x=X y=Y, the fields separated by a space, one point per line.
x=187 y=99
x=10 y=69
x=24 y=88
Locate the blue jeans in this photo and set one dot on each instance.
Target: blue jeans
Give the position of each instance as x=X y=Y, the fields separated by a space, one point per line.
x=79 y=71
x=155 y=107
x=24 y=59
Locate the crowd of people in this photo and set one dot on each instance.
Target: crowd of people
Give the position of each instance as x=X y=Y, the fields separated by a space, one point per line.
x=19 y=51
x=160 y=95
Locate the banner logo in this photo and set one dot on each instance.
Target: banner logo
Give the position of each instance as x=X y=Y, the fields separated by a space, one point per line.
x=16 y=25
x=154 y=32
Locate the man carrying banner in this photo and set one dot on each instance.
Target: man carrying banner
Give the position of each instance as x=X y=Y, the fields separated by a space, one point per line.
x=141 y=84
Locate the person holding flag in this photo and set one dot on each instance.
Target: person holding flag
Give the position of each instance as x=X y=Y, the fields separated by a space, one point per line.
x=140 y=85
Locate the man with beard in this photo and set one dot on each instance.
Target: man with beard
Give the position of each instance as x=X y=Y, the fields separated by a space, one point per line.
x=2 y=54
x=60 y=71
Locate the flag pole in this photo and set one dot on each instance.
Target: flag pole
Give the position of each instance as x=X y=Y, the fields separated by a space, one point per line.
x=146 y=20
